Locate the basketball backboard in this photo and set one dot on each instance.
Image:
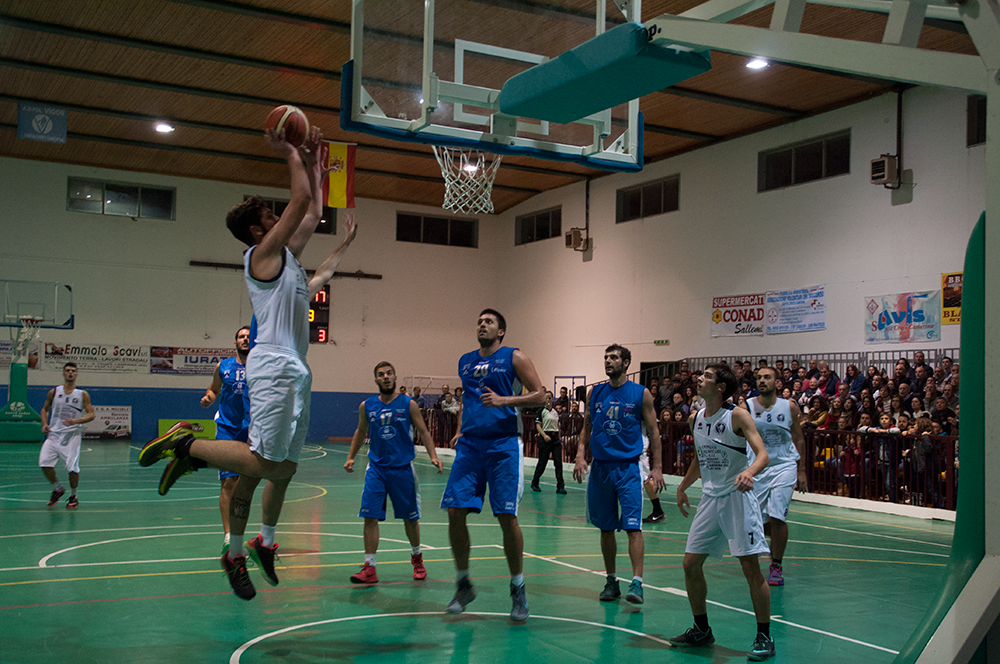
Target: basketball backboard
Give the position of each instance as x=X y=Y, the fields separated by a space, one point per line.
x=48 y=302
x=443 y=86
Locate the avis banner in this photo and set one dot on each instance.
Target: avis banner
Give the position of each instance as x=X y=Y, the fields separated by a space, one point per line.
x=903 y=318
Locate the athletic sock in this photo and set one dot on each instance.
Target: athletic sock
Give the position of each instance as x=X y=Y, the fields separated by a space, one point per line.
x=462 y=574
x=415 y=550
x=236 y=548
x=776 y=562
x=656 y=506
x=637 y=578
x=370 y=559
x=56 y=486
x=182 y=449
x=267 y=535
x=764 y=628
x=701 y=622
x=72 y=492
x=517 y=579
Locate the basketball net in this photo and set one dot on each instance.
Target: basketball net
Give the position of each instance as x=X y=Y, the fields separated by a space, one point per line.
x=28 y=333
x=468 y=179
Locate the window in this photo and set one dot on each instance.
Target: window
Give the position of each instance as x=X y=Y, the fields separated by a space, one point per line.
x=327 y=224
x=450 y=231
x=648 y=199
x=815 y=159
x=538 y=226
x=120 y=199
x=975 y=131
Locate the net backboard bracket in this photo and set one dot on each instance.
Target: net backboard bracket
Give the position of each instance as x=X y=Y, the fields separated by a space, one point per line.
x=361 y=112
x=49 y=302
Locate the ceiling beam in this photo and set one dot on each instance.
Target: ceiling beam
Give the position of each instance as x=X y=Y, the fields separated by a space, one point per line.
x=736 y=102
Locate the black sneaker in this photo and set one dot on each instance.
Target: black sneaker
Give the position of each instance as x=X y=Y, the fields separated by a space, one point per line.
x=519 y=603
x=163 y=447
x=763 y=648
x=693 y=638
x=176 y=469
x=72 y=503
x=236 y=571
x=536 y=488
x=561 y=490
x=56 y=495
x=612 y=591
x=654 y=518
x=264 y=557
x=463 y=597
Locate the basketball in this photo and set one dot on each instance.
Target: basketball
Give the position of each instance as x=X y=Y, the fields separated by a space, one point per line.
x=292 y=120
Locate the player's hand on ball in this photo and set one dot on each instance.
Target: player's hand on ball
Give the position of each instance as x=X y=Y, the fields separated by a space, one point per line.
x=278 y=143
x=682 y=501
x=349 y=465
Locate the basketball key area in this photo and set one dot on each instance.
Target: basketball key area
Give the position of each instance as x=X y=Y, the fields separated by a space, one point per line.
x=132 y=576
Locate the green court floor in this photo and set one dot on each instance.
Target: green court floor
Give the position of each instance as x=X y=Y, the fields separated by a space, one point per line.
x=134 y=577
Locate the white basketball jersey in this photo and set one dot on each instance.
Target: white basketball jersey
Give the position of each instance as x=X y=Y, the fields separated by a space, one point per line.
x=63 y=406
x=281 y=305
x=775 y=427
x=722 y=454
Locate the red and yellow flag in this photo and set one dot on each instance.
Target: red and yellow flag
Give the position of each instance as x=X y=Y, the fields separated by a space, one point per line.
x=338 y=188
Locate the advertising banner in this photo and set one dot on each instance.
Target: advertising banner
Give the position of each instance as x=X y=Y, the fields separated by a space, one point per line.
x=186 y=361
x=903 y=318
x=951 y=299
x=107 y=358
x=738 y=315
x=7 y=354
x=111 y=423
x=38 y=122
x=199 y=428
x=799 y=310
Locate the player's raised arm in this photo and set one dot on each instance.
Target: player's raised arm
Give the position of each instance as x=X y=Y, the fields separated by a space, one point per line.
x=310 y=152
x=212 y=393
x=359 y=438
x=267 y=258
x=325 y=271
x=417 y=420
x=580 y=468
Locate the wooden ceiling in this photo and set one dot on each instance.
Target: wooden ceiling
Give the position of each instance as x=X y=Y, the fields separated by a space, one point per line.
x=214 y=68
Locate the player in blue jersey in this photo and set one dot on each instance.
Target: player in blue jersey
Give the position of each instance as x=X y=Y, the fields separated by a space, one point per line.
x=390 y=419
x=278 y=373
x=728 y=513
x=612 y=428
x=497 y=382
x=232 y=420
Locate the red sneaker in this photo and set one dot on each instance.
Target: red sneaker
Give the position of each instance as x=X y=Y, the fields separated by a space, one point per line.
x=72 y=503
x=419 y=571
x=366 y=575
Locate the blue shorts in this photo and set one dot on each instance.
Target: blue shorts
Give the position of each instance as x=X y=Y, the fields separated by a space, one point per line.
x=398 y=483
x=224 y=432
x=612 y=483
x=479 y=462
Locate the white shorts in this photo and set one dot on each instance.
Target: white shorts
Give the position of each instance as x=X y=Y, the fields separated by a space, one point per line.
x=732 y=519
x=63 y=445
x=280 y=385
x=774 y=487
x=644 y=460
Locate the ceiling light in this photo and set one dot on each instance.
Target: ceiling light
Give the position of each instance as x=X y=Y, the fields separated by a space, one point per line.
x=164 y=128
x=757 y=63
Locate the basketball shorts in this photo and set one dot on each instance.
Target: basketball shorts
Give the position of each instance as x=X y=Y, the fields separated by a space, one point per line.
x=280 y=385
x=774 y=487
x=63 y=445
x=498 y=463
x=732 y=519
x=399 y=483
x=613 y=484
x=644 y=460
x=225 y=432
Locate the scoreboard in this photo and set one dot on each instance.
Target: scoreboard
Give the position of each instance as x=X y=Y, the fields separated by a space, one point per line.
x=319 y=317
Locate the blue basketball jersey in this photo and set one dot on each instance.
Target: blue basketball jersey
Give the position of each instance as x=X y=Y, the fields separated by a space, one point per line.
x=234 y=400
x=616 y=420
x=495 y=372
x=390 y=431
x=253 y=332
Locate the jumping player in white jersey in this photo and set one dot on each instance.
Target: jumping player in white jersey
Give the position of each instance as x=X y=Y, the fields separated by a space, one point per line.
x=65 y=412
x=777 y=421
x=497 y=382
x=389 y=420
x=278 y=375
x=728 y=511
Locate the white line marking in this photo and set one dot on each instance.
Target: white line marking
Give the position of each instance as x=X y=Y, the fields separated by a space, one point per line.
x=870 y=548
x=235 y=658
x=862 y=532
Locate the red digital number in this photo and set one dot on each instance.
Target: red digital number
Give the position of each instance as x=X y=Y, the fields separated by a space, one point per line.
x=320 y=296
x=322 y=336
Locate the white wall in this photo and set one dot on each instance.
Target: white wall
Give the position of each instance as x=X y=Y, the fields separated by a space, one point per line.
x=655 y=278
x=647 y=279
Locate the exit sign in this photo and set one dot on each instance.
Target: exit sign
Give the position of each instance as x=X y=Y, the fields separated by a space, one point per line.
x=662 y=342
